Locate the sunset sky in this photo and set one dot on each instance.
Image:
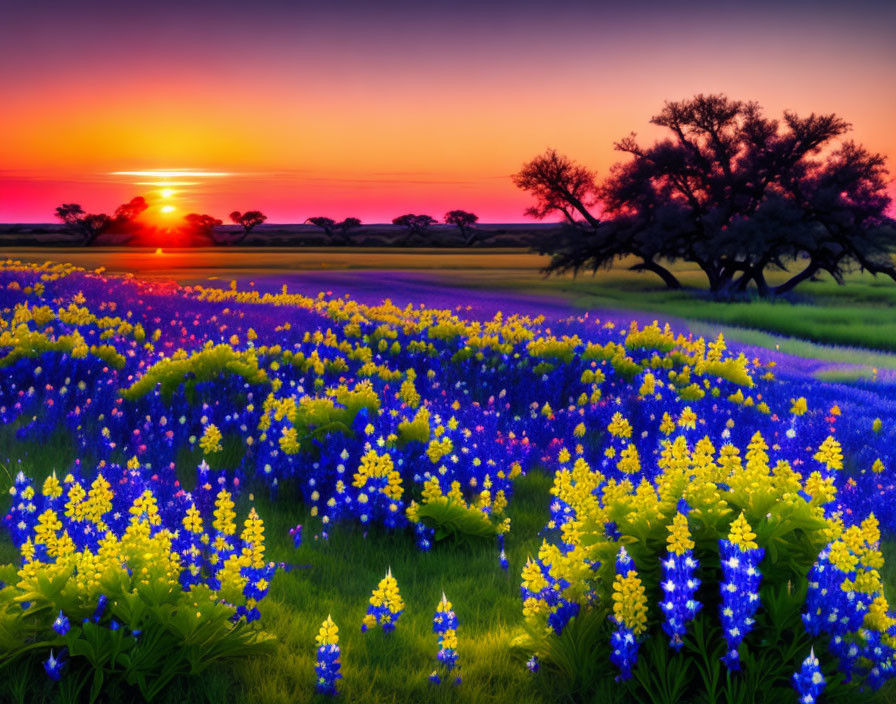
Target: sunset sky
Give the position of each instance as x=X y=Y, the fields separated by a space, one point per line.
x=375 y=109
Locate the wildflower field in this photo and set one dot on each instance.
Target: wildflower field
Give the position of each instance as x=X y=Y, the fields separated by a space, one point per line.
x=222 y=494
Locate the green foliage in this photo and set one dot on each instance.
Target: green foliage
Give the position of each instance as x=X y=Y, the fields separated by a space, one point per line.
x=785 y=512
x=179 y=633
x=26 y=343
x=316 y=417
x=449 y=517
x=205 y=365
x=416 y=430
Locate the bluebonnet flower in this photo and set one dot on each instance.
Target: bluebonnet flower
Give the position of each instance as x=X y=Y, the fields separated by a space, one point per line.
x=386 y=605
x=296 y=534
x=809 y=682
x=679 y=584
x=53 y=666
x=740 y=557
x=502 y=556
x=444 y=624
x=328 y=653
x=629 y=615
x=100 y=608
x=424 y=536
x=61 y=624
x=532 y=664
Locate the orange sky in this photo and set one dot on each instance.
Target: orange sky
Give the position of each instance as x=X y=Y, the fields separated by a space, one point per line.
x=386 y=121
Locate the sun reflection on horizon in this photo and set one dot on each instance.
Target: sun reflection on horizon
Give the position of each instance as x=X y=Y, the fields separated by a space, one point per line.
x=173 y=173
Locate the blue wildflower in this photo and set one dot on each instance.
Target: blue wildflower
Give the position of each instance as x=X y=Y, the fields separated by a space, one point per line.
x=809 y=682
x=61 y=625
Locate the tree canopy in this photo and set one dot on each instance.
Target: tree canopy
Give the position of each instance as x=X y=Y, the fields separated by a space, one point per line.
x=730 y=190
x=338 y=232
x=465 y=221
x=248 y=221
x=415 y=225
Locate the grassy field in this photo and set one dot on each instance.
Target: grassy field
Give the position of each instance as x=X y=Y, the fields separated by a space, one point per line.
x=861 y=314
x=335 y=577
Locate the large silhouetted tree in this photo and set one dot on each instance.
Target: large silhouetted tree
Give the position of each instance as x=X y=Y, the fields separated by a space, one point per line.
x=248 y=221
x=466 y=223
x=732 y=191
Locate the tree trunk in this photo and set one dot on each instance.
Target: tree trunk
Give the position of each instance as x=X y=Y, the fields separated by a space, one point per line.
x=711 y=276
x=795 y=281
x=761 y=284
x=667 y=276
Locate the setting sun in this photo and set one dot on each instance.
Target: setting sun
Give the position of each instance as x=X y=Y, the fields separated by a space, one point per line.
x=168 y=209
x=167 y=192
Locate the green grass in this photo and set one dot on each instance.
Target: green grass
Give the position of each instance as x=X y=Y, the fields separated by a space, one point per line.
x=860 y=314
x=336 y=577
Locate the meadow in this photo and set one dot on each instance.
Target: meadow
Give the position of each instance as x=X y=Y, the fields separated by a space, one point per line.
x=586 y=432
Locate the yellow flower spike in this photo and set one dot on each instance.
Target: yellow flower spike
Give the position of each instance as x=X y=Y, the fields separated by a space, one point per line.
x=619 y=427
x=629 y=462
x=224 y=513
x=798 y=406
x=630 y=602
x=741 y=534
x=52 y=488
x=328 y=634
x=667 y=426
x=679 y=540
x=687 y=419
x=820 y=489
x=210 y=442
x=830 y=454
x=842 y=558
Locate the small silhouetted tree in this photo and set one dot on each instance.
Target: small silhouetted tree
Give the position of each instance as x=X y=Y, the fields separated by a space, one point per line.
x=248 y=221
x=125 y=219
x=200 y=225
x=89 y=226
x=338 y=232
x=70 y=213
x=415 y=225
x=326 y=224
x=346 y=226
x=466 y=223
x=130 y=211
x=93 y=225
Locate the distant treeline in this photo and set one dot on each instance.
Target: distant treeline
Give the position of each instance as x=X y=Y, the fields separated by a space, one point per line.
x=284 y=235
x=129 y=226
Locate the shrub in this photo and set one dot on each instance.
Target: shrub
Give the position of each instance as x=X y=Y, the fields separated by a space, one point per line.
x=745 y=559
x=108 y=592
